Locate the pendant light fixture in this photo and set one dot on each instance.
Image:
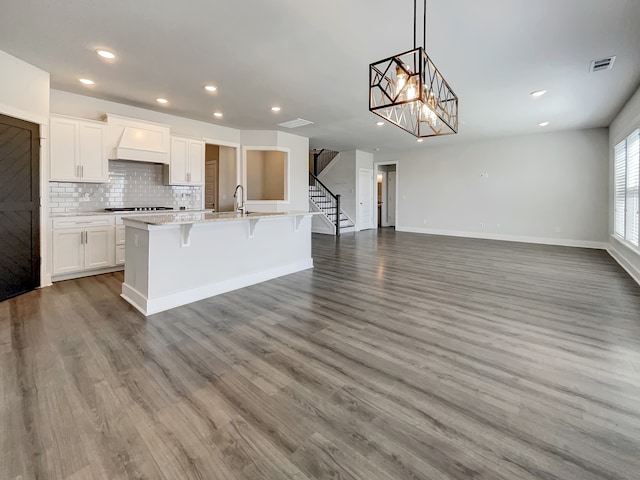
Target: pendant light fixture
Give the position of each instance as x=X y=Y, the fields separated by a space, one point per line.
x=409 y=91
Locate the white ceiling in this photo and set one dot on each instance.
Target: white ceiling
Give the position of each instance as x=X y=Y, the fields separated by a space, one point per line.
x=311 y=58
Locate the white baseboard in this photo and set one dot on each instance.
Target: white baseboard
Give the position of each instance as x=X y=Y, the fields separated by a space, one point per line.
x=508 y=238
x=624 y=263
x=155 y=305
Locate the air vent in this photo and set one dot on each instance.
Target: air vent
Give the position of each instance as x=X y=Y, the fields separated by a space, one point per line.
x=602 y=64
x=298 y=122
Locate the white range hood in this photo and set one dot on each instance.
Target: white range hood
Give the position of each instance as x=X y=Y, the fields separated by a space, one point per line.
x=137 y=140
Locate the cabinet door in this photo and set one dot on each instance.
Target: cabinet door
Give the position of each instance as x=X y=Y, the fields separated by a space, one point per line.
x=178 y=162
x=68 y=250
x=99 y=248
x=63 y=154
x=120 y=254
x=93 y=160
x=196 y=162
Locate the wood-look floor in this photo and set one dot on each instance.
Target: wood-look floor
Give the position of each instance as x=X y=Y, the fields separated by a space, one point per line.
x=399 y=356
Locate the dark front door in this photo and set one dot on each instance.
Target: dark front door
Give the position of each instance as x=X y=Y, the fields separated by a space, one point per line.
x=19 y=207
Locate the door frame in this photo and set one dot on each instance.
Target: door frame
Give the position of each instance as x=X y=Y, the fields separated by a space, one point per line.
x=376 y=168
x=223 y=143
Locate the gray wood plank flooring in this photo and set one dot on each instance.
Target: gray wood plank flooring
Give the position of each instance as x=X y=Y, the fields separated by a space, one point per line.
x=399 y=356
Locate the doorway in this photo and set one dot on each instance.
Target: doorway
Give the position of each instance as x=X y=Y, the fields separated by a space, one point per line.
x=221 y=176
x=386 y=174
x=19 y=207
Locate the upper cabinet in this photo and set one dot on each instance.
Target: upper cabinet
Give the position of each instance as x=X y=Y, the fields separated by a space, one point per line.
x=77 y=151
x=186 y=164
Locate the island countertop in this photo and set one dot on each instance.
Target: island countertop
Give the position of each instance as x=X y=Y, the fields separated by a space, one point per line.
x=183 y=218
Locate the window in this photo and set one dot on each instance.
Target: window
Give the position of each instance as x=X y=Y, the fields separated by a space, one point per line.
x=627 y=188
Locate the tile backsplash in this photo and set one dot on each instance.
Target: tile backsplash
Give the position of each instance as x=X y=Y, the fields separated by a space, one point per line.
x=131 y=184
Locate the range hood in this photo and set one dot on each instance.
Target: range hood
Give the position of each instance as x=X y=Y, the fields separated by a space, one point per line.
x=137 y=140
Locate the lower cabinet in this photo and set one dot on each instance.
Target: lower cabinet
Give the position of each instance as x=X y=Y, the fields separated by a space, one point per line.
x=82 y=243
x=120 y=248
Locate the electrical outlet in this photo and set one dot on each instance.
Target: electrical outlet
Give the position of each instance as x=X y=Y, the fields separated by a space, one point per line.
x=481 y=226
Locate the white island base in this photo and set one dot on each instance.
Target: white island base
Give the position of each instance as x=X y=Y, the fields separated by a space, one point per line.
x=176 y=259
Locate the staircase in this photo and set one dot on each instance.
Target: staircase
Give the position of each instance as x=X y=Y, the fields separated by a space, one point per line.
x=322 y=200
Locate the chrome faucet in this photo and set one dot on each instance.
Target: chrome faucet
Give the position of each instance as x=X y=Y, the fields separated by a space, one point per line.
x=238 y=204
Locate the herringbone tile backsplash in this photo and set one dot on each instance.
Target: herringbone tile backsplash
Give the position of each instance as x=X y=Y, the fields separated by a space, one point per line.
x=131 y=184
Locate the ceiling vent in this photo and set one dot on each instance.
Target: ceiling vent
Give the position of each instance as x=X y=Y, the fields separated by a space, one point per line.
x=298 y=122
x=602 y=64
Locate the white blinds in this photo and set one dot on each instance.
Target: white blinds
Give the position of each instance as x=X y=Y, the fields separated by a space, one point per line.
x=620 y=186
x=633 y=182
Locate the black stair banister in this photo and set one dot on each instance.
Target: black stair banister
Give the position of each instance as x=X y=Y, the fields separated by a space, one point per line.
x=316 y=183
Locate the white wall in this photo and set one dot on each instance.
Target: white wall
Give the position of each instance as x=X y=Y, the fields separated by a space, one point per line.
x=545 y=188
x=24 y=90
x=340 y=177
x=626 y=122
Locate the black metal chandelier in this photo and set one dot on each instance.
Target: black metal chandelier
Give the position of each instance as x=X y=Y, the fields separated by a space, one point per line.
x=409 y=91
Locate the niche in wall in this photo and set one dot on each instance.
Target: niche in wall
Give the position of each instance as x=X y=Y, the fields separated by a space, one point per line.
x=267 y=175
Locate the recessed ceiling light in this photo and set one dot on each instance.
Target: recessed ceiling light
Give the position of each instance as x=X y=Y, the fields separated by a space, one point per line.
x=543 y=124
x=162 y=100
x=376 y=149
x=275 y=109
x=106 y=54
x=217 y=114
x=86 y=81
x=210 y=88
x=538 y=93
x=420 y=140
x=380 y=124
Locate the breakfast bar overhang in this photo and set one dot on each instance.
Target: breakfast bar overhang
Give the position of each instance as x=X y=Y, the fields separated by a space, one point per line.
x=179 y=258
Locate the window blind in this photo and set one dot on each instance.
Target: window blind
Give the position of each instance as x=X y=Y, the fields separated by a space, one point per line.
x=620 y=187
x=633 y=190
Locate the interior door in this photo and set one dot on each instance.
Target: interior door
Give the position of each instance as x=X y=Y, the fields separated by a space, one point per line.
x=211 y=184
x=391 y=199
x=19 y=207
x=365 y=199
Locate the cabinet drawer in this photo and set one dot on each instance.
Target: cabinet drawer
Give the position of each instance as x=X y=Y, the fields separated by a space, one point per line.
x=82 y=222
x=120 y=234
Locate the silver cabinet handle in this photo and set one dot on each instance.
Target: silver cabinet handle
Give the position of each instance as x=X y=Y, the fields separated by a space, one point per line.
x=82 y=170
x=86 y=237
x=81 y=238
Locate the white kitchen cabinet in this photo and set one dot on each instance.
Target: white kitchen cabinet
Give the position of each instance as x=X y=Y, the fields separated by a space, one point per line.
x=98 y=247
x=68 y=251
x=120 y=241
x=77 y=151
x=82 y=243
x=186 y=163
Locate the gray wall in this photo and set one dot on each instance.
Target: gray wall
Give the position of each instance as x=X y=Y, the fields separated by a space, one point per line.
x=545 y=188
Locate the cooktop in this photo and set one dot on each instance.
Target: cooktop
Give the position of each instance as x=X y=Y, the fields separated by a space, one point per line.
x=136 y=209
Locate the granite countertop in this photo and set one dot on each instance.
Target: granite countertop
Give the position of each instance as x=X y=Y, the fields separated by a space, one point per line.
x=127 y=213
x=182 y=218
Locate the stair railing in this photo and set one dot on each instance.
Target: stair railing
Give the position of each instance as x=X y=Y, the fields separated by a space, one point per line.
x=335 y=199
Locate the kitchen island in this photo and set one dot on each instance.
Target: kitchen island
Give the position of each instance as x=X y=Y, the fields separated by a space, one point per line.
x=178 y=258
